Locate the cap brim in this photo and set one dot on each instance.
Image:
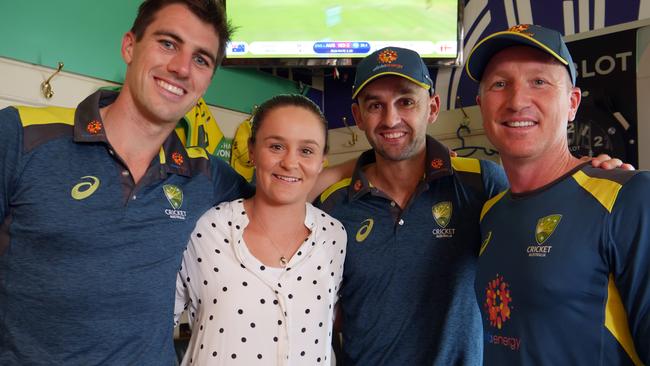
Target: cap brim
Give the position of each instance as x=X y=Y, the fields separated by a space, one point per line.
x=357 y=90
x=489 y=46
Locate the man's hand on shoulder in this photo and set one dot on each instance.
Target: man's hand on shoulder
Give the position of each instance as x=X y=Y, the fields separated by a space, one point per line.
x=604 y=161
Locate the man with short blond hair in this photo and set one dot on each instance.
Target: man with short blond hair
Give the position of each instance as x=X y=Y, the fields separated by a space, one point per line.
x=563 y=269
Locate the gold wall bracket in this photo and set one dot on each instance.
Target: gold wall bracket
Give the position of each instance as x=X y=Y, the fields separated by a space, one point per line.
x=46 y=87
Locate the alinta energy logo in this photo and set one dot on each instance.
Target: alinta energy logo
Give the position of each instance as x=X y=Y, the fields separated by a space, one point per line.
x=545 y=228
x=174 y=196
x=85 y=189
x=442 y=212
x=498 y=310
x=364 y=230
x=387 y=56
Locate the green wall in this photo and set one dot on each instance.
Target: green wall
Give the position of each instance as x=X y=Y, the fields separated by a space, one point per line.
x=86 y=36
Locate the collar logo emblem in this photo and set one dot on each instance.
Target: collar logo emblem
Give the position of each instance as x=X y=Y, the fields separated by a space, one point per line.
x=436 y=163
x=545 y=227
x=177 y=158
x=387 y=56
x=94 y=127
x=357 y=185
x=364 y=230
x=83 y=190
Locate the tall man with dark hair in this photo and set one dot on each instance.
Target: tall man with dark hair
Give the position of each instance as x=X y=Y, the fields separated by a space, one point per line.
x=97 y=202
x=563 y=274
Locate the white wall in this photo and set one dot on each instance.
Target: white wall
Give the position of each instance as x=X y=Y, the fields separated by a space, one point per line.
x=20 y=84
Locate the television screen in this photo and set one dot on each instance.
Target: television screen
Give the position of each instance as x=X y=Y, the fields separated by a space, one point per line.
x=334 y=32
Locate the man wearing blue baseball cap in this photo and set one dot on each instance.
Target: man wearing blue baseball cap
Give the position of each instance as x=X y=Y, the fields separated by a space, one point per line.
x=411 y=213
x=563 y=269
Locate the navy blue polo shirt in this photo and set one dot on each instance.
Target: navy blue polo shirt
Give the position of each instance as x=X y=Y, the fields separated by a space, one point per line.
x=563 y=276
x=88 y=258
x=407 y=295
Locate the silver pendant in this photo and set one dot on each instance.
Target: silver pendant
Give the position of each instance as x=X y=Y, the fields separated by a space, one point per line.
x=283 y=261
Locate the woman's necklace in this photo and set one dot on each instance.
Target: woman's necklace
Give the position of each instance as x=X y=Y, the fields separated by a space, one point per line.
x=283 y=259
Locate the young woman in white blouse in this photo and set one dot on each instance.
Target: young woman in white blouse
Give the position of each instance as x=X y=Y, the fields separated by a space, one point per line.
x=260 y=276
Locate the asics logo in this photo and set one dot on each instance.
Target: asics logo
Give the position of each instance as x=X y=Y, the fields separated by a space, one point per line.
x=85 y=189
x=364 y=230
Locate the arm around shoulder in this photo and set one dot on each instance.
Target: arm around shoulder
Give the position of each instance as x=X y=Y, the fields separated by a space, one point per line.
x=494 y=178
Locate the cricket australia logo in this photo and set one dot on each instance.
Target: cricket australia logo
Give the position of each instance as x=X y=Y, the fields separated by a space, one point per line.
x=545 y=228
x=442 y=215
x=174 y=196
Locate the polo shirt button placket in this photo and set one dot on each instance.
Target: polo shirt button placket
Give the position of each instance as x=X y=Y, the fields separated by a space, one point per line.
x=400 y=222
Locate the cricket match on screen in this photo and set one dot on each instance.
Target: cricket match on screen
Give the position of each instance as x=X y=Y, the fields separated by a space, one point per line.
x=341 y=29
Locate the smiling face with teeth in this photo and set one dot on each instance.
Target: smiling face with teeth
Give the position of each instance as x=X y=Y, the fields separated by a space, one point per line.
x=171 y=67
x=288 y=152
x=394 y=114
x=526 y=99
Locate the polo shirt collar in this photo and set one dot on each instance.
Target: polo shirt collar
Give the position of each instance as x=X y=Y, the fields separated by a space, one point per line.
x=88 y=127
x=438 y=166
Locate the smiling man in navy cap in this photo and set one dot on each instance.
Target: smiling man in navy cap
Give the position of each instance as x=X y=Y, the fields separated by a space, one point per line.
x=563 y=269
x=411 y=213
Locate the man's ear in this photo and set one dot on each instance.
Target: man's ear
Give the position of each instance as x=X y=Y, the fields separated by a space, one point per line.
x=574 y=102
x=128 y=42
x=356 y=113
x=434 y=108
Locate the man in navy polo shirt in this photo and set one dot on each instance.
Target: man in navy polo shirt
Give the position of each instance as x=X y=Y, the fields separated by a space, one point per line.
x=98 y=202
x=563 y=273
x=411 y=213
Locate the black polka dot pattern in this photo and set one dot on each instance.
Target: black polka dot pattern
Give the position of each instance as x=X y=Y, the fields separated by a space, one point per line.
x=252 y=313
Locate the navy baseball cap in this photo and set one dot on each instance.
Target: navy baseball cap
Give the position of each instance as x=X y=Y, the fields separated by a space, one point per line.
x=543 y=39
x=392 y=61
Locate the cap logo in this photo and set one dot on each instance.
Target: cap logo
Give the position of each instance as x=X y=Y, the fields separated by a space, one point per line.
x=94 y=127
x=387 y=56
x=521 y=28
x=177 y=158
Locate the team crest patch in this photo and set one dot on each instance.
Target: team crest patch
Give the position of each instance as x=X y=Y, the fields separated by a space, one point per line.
x=442 y=213
x=174 y=196
x=387 y=56
x=545 y=227
x=94 y=127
